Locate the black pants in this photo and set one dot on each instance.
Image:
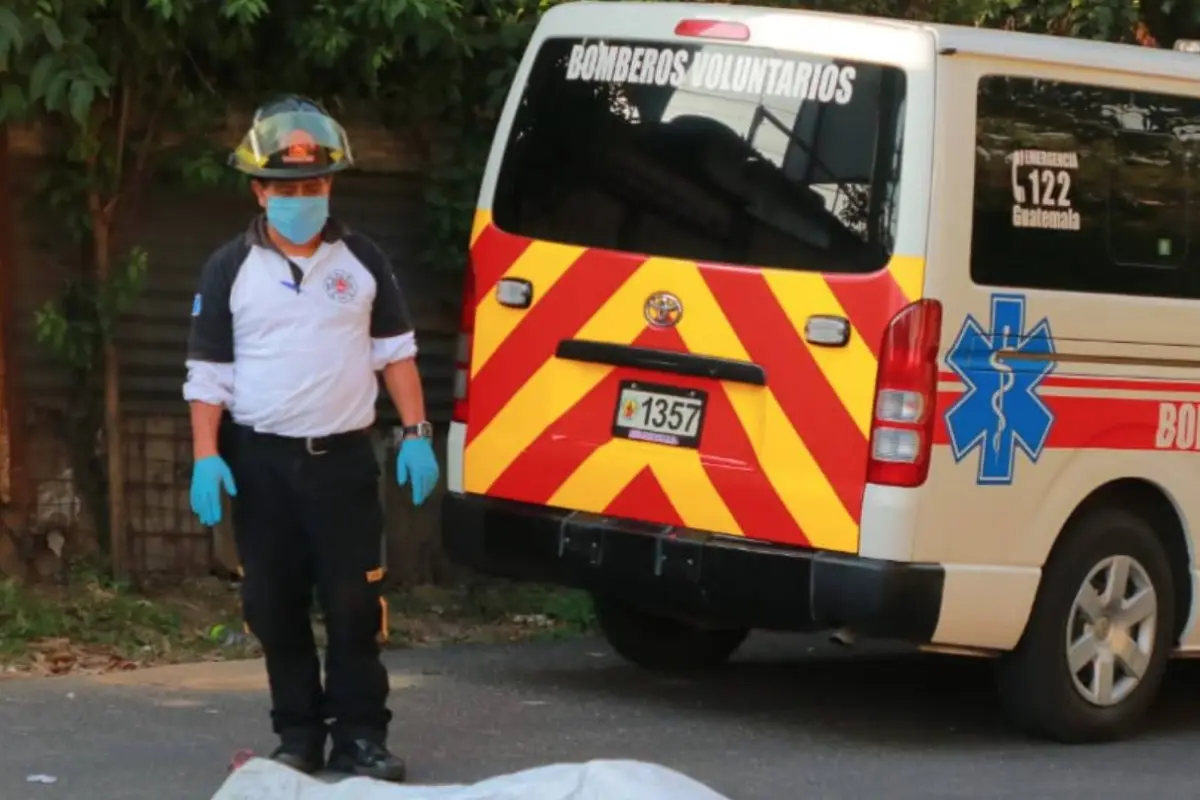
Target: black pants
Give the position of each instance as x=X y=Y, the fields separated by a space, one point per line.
x=303 y=520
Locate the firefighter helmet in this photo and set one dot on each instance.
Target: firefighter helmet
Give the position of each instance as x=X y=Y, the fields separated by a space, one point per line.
x=291 y=138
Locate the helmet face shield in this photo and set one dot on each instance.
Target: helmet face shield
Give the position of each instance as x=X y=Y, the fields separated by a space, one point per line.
x=293 y=144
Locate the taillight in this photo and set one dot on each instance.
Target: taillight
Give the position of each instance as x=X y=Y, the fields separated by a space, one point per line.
x=905 y=396
x=713 y=29
x=462 y=356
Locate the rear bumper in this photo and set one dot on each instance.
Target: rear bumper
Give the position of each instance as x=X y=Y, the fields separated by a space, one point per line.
x=716 y=578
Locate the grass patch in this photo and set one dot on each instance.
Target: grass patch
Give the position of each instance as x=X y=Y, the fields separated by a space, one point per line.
x=93 y=624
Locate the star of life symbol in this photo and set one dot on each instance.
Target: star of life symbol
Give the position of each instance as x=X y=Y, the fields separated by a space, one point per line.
x=1000 y=410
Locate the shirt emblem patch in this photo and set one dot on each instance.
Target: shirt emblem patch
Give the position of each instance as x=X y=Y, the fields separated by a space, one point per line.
x=340 y=286
x=196 y=306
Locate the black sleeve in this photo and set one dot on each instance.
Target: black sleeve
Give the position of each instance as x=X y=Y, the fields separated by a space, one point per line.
x=389 y=313
x=211 y=336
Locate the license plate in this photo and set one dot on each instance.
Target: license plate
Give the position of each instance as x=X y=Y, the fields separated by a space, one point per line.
x=662 y=414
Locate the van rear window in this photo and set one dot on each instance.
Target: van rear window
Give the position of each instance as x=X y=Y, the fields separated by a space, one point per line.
x=711 y=153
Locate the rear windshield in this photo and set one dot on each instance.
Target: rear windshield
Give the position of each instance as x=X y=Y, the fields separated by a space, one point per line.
x=713 y=153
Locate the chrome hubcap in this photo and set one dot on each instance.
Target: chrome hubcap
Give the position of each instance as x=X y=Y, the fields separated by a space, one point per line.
x=1110 y=632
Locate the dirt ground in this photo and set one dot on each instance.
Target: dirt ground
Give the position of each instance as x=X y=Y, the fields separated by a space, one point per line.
x=92 y=626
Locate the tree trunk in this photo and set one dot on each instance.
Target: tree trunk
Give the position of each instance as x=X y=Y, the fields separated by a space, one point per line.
x=16 y=488
x=114 y=439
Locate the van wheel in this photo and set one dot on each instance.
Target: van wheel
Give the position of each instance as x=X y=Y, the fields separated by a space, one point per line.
x=1094 y=652
x=657 y=642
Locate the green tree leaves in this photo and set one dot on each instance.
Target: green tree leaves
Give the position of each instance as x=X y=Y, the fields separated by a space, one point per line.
x=12 y=36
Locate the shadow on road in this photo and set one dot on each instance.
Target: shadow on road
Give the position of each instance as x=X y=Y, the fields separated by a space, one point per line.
x=888 y=699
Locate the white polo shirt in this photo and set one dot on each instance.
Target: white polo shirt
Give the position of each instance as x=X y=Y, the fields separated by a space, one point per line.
x=296 y=358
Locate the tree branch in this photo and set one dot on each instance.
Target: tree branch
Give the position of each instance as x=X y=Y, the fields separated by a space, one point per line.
x=145 y=148
x=119 y=159
x=199 y=73
x=148 y=136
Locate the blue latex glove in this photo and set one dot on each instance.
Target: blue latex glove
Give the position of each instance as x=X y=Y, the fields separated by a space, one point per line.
x=208 y=475
x=416 y=460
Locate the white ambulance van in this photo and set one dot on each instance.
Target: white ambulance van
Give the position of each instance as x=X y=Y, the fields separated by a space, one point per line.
x=798 y=321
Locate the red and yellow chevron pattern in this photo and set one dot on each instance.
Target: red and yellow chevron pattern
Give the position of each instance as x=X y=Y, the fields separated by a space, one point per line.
x=784 y=463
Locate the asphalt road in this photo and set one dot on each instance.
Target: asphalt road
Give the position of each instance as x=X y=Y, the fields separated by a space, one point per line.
x=790 y=718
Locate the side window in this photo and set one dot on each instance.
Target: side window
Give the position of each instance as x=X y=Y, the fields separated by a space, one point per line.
x=1085 y=188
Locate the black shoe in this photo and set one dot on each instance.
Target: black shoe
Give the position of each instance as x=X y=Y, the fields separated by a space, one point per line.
x=302 y=758
x=368 y=759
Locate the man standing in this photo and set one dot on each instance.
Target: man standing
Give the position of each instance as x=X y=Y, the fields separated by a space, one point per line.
x=292 y=320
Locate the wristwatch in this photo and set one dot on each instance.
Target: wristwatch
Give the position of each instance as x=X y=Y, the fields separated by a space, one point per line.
x=422 y=430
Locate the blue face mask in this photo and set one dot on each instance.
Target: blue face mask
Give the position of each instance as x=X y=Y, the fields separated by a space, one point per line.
x=298 y=219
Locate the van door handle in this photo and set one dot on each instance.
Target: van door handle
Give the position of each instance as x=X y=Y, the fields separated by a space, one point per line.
x=827 y=330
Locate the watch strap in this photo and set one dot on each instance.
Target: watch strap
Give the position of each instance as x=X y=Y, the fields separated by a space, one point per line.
x=423 y=430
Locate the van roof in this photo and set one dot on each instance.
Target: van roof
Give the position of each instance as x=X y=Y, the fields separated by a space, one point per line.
x=993 y=43
x=1066 y=51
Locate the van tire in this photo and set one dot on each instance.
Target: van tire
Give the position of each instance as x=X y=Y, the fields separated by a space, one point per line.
x=1037 y=689
x=661 y=643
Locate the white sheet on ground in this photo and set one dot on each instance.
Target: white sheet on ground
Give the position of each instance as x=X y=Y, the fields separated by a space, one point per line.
x=261 y=779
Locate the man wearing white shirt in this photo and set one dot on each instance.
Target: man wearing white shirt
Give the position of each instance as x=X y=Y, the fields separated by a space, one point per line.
x=293 y=320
